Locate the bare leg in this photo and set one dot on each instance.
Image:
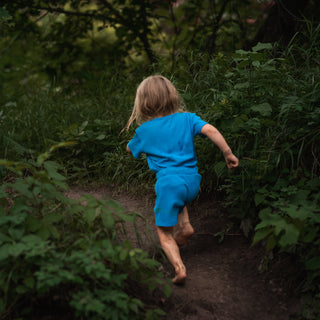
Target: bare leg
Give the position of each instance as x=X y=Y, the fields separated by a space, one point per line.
x=184 y=229
x=172 y=252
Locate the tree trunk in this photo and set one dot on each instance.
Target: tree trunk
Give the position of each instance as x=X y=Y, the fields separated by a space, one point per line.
x=283 y=21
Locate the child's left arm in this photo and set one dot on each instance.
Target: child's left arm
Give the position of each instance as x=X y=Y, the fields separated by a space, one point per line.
x=128 y=150
x=216 y=137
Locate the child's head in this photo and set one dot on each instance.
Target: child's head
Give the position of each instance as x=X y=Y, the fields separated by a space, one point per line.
x=156 y=97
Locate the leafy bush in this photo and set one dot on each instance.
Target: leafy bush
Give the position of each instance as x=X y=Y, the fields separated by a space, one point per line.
x=267 y=107
x=68 y=253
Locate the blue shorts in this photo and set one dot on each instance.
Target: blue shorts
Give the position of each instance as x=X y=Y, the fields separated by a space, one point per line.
x=173 y=192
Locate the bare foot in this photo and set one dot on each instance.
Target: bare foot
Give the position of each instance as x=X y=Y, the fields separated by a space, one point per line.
x=183 y=233
x=180 y=277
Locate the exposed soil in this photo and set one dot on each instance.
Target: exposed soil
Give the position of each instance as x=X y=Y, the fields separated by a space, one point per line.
x=224 y=282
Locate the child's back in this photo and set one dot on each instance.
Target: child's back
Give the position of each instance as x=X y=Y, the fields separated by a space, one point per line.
x=168 y=141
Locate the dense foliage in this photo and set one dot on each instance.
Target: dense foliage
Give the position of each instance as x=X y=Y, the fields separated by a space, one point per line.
x=76 y=83
x=68 y=253
x=70 y=34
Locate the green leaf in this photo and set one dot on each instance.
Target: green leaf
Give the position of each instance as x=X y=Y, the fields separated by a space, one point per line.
x=4 y=14
x=314 y=183
x=108 y=220
x=271 y=243
x=313 y=264
x=167 y=290
x=2 y=306
x=89 y=215
x=83 y=125
x=219 y=168
x=295 y=212
x=289 y=233
x=51 y=168
x=31 y=238
x=262 y=46
x=23 y=188
x=101 y=137
x=256 y=63
x=5 y=251
x=259 y=198
x=311 y=235
x=128 y=217
x=241 y=86
x=36 y=190
x=290 y=236
x=241 y=52
x=54 y=231
x=17 y=249
x=4 y=238
x=266 y=218
x=115 y=205
x=133 y=305
x=76 y=208
x=52 y=217
x=123 y=254
x=33 y=224
x=301 y=196
x=19 y=208
x=243 y=64
x=62 y=145
x=92 y=202
x=264 y=109
x=46 y=155
x=261 y=234
x=14 y=219
x=3 y=194
x=29 y=282
x=42 y=158
x=44 y=233
x=21 y=289
x=15 y=233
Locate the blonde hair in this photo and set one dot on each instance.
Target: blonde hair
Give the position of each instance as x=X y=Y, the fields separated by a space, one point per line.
x=156 y=96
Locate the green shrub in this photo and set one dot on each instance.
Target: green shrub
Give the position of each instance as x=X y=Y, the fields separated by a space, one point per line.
x=67 y=252
x=266 y=104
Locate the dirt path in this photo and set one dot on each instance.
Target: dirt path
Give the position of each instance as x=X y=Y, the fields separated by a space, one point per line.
x=223 y=278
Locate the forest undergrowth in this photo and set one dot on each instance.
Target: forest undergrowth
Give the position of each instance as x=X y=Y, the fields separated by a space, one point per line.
x=265 y=101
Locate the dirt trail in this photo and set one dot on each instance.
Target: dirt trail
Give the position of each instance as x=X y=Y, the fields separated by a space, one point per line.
x=223 y=278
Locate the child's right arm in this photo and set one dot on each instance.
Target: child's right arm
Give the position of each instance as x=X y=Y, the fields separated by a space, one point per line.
x=216 y=137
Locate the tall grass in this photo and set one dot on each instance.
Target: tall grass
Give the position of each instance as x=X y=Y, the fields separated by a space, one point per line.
x=92 y=115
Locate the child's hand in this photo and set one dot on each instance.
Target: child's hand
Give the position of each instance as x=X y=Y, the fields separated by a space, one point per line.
x=231 y=160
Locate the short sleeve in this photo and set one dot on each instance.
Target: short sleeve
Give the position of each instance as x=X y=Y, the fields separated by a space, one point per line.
x=136 y=146
x=197 y=124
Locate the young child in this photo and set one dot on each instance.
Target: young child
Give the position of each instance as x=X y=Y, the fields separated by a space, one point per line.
x=166 y=136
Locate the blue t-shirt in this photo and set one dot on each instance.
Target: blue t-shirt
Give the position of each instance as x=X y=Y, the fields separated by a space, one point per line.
x=168 y=142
